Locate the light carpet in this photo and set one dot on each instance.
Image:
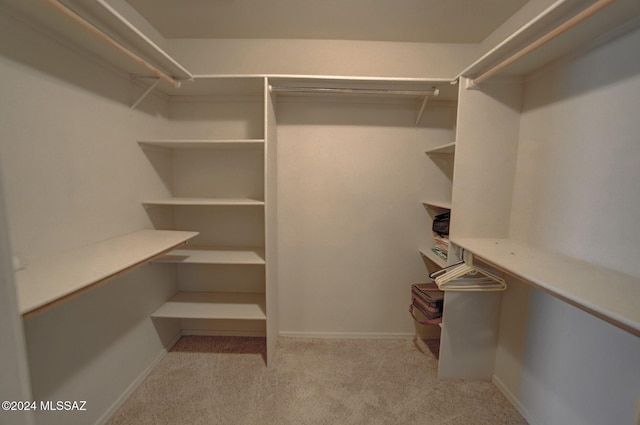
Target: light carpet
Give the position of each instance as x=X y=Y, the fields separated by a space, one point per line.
x=224 y=380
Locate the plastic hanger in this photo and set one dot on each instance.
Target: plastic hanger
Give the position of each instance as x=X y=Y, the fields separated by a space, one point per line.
x=465 y=276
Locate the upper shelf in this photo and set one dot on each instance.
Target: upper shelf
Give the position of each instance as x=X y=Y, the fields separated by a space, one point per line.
x=605 y=293
x=608 y=22
x=50 y=281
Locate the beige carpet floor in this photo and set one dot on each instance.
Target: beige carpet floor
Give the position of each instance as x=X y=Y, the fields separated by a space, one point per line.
x=224 y=380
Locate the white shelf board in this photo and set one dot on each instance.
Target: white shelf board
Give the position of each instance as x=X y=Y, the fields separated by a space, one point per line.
x=447 y=149
x=214 y=305
x=214 y=255
x=57 y=278
x=203 y=144
x=446 y=205
x=608 y=294
x=439 y=261
x=204 y=202
x=596 y=29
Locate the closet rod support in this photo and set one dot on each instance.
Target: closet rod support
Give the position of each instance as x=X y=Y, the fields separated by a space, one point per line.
x=149 y=90
x=424 y=104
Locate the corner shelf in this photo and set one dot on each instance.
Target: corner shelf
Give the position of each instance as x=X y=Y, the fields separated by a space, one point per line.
x=214 y=305
x=53 y=280
x=607 y=294
x=443 y=150
x=442 y=205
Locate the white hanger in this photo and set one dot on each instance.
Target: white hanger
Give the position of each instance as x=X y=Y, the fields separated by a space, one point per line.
x=464 y=277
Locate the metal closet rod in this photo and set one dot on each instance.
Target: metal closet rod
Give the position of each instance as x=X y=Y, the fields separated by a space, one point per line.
x=582 y=16
x=113 y=43
x=338 y=90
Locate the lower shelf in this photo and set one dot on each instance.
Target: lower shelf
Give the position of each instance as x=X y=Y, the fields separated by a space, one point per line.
x=214 y=305
x=430 y=255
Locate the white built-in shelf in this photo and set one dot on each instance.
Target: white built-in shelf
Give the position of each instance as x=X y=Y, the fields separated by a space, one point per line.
x=605 y=293
x=430 y=255
x=204 y=202
x=214 y=305
x=203 y=143
x=445 y=205
x=214 y=255
x=52 y=280
x=447 y=149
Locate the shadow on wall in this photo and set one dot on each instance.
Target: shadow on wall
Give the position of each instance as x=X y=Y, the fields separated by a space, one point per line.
x=602 y=65
x=81 y=333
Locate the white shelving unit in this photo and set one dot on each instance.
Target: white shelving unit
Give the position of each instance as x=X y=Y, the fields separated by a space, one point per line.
x=443 y=156
x=218 y=187
x=53 y=280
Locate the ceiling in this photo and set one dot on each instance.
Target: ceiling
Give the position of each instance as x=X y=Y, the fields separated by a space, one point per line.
x=429 y=21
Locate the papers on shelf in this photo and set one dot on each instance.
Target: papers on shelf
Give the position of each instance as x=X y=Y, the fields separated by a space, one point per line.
x=441 y=247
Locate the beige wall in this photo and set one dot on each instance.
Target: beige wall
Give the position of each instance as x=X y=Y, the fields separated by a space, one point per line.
x=351 y=179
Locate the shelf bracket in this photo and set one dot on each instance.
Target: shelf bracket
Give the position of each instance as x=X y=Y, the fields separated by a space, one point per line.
x=424 y=103
x=149 y=90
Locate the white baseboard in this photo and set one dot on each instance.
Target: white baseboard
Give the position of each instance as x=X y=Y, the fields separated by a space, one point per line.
x=347 y=335
x=512 y=399
x=136 y=383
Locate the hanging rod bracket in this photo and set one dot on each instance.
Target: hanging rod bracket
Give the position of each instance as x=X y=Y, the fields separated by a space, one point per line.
x=470 y=84
x=149 y=90
x=424 y=104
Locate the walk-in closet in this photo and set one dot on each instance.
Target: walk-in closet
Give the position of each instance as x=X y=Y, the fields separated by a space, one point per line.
x=256 y=188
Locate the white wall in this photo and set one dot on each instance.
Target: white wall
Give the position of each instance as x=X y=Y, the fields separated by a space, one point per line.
x=73 y=175
x=323 y=57
x=351 y=178
x=15 y=384
x=576 y=193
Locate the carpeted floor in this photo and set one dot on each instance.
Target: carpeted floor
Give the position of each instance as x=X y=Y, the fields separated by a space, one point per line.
x=224 y=380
